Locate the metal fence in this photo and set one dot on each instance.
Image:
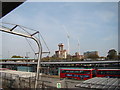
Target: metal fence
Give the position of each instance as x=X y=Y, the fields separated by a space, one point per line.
x=15 y=81
x=27 y=81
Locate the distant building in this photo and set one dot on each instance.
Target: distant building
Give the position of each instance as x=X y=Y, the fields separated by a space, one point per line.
x=78 y=56
x=90 y=53
x=61 y=53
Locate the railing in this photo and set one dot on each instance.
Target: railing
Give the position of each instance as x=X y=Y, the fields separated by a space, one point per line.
x=15 y=81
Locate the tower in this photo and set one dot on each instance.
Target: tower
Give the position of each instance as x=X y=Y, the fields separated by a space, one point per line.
x=61 y=46
x=61 y=53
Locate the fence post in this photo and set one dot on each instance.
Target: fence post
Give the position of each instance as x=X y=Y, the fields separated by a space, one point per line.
x=43 y=85
x=5 y=79
x=18 y=81
x=29 y=82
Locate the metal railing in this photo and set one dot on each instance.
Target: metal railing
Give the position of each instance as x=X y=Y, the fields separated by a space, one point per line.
x=16 y=81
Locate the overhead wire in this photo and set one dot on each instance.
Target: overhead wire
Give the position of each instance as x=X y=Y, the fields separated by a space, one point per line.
x=4 y=26
x=39 y=34
x=22 y=27
x=44 y=42
x=19 y=25
x=24 y=30
x=30 y=45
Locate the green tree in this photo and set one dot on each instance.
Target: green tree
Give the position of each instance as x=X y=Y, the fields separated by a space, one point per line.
x=75 y=59
x=93 y=56
x=14 y=56
x=69 y=57
x=46 y=58
x=112 y=54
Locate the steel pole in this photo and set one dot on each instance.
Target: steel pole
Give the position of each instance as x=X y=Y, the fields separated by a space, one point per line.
x=39 y=51
x=39 y=62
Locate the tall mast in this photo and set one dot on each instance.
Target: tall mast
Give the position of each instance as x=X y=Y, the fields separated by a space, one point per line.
x=78 y=46
x=68 y=41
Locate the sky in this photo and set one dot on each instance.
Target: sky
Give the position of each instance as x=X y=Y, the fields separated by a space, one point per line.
x=93 y=24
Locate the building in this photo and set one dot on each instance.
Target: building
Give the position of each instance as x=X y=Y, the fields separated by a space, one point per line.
x=78 y=56
x=88 y=54
x=61 y=53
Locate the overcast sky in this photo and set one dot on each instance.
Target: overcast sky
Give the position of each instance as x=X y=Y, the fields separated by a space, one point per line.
x=94 y=24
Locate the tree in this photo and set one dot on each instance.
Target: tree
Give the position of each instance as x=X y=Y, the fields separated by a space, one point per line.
x=75 y=59
x=46 y=58
x=93 y=56
x=112 y=54
x=14 y=56
x=69 y=57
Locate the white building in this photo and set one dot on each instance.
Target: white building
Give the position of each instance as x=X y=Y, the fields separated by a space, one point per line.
x=61 y=53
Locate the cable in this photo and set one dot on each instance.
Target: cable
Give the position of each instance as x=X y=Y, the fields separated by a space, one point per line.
x=4 y=27
x=44 y=42
x=19 y=25
x=30 y=45
x=24 y=30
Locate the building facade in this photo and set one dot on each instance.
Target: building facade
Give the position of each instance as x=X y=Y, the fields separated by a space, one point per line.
x=61 y=53
x=78 y=56
x=90 y=53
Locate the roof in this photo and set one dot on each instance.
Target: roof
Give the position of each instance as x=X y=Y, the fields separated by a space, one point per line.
x=61 y=51
x=109 y=69
x=101 y=83
x=77 y=69
x=15 y=58
x=77 y=62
